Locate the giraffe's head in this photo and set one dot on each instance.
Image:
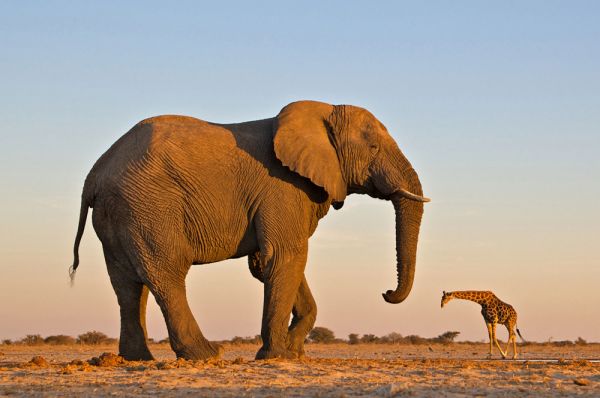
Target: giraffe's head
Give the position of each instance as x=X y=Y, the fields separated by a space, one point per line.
x=446 y=297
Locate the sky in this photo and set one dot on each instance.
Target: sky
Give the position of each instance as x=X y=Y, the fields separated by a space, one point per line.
x=496 y=105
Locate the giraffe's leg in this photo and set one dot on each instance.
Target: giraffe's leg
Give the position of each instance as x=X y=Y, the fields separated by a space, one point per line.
x=489 y=328
x=511 y=339
x=514 y=337
x=496 y=341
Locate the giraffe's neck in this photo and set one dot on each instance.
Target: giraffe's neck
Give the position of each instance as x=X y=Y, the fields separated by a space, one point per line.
x=479 y=297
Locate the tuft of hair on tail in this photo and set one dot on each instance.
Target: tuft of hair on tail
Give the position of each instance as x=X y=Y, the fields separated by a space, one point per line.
x=72 y=271
x=519 y=333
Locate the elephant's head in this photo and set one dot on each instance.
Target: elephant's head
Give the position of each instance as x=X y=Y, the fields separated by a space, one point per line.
x=345 y=150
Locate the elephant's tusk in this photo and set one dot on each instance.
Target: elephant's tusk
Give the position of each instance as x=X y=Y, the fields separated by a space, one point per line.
x=409 y=195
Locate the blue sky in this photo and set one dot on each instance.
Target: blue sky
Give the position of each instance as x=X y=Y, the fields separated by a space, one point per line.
x=496 y=105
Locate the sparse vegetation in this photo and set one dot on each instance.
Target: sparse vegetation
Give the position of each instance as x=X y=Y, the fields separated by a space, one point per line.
x=60 y=339
x=32 y=339
x=246 y=340
x=447 y=337
x=321 y=335
x=94 y=338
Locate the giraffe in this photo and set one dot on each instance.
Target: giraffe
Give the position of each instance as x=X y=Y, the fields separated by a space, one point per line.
x=494 y=311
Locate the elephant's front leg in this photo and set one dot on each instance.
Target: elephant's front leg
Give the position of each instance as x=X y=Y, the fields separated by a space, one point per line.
x=304 y=310
x=282 y=278
x=304 y=316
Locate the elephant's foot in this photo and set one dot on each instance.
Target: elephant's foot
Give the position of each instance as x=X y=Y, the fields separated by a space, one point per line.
x=265 y=353
x=136 y=355
x=296 y=345
x=135 y=352
x=204 y=352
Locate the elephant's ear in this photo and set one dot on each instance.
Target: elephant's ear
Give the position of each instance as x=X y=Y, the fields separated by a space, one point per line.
x=302 y=143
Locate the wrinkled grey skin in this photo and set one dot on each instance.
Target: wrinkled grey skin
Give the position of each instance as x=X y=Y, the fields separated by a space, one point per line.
x=176 y=191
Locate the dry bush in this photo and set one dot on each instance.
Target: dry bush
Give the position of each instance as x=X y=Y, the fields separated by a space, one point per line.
x=397 y=338
x=60 y=339
x=245 y=340
x=369 y=339
x=32 y=339
x=94 y=337
x=446 y=338
x=321 y=335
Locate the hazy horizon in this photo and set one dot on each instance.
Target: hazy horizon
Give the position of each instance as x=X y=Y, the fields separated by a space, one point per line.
x=496 y=106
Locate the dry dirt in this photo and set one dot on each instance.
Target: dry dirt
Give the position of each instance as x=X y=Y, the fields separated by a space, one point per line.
x=336 y=370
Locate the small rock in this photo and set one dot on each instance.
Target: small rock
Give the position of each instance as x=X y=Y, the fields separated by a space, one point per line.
x=239 y=360
x=390 y=390
x=68 y=369
x=581 y=382
x=39 y=361
x=163 y=365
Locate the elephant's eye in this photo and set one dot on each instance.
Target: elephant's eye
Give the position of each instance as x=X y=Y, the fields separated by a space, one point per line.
x=373 y=148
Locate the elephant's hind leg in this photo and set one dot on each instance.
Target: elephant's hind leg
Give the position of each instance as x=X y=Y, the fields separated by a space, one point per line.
x=132 y=296
x=184 y=334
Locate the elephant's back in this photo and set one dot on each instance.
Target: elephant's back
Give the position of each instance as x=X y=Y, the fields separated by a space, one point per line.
x=154 y=138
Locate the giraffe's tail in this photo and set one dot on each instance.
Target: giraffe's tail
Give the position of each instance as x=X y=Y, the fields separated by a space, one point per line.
x=519 y=333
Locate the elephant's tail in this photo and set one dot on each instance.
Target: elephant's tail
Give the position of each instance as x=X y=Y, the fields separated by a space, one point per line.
x=85 y=204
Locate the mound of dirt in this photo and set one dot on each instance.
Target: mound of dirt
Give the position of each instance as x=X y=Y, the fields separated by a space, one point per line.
x=39 y=361
x=107 y=360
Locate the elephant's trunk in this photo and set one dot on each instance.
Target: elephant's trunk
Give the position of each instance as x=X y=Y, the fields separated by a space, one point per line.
x=408 y=221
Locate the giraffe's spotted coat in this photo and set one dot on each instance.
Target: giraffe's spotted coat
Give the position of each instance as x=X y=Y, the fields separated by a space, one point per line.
x=494 y=311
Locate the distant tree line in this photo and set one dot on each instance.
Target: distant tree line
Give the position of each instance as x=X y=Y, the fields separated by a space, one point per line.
x=323 y=335
x=92 y=337
x=318 y=335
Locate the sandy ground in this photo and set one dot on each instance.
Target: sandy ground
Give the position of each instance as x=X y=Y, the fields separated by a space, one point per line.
x=336 y=370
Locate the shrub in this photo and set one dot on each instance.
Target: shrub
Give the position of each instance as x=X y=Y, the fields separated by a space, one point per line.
x=60 y=339
x=321 y=335
x=392 y=338
x=32 y=339
x=353 y=338
x=94 y=338
x=580 y=341
x=414 y=339
x=246 y=340
x=446 y=338
x=369 y=338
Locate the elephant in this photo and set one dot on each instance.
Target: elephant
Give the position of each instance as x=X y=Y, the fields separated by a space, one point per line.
x=176 y=191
